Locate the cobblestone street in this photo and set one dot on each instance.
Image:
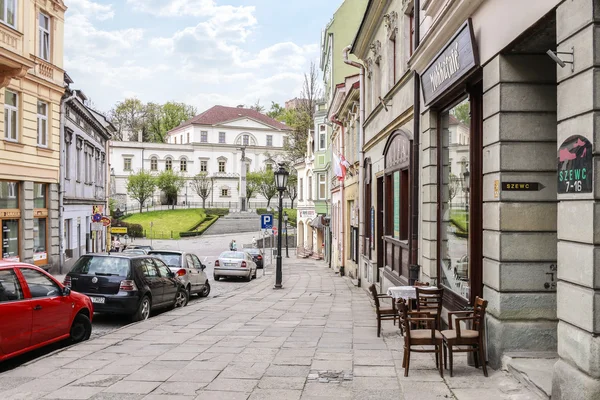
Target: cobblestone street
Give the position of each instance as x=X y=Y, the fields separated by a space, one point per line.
x=315 y=339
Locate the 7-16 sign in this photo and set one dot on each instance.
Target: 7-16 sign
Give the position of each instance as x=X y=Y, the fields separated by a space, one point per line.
x=575 y=170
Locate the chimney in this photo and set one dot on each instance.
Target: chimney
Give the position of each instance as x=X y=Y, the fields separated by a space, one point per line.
x=240 y=106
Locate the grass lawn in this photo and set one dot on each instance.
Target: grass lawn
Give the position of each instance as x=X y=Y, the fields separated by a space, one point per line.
x=459 y=219
x=167 y=221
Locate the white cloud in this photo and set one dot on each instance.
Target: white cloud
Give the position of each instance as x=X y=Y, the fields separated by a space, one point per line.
x=194 y=8
x=88 y=8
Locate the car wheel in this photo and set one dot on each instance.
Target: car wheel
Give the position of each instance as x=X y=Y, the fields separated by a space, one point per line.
x=249 y=277
x=189 y=291
x=81 y=329
x=181 y=298
x=143 y=312
x=254 y=276
x=206 y=291
x=216 y=277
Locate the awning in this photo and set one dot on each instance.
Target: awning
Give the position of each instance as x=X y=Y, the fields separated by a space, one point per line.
x=316 y=222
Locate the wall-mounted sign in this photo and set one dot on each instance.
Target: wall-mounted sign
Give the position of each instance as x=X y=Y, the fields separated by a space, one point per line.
x=40 y=212
x=307 y=213
x=10 y=214
x=575 y=171
x=97 y=226
x=522 y=186
x=496 y=188
x=105 y=221
x=119 y=230
x=458 y=57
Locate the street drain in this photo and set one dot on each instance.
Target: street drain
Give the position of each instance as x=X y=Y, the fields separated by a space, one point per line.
x=330 y=376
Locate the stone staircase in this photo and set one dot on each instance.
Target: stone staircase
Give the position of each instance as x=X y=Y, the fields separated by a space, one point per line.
x=235 y=222
x=532 y=369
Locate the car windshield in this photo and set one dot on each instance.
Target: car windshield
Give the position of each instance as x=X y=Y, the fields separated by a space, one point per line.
x=100 y=265
x=252 y=251
x=171 y=259
x=134 y=251
x=232 y=254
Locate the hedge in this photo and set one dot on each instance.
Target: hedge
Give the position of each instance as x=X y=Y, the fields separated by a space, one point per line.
x=133 y=230
x=201 y=228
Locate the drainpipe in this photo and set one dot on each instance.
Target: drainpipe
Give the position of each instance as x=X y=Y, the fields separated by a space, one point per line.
x=361 y=162
x=342 y=238
x=416 y=171
x=61 y=181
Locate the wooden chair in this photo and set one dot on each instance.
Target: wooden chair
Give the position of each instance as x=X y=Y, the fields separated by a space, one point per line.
x=417 y=283
x=470 y=340
x=383 y=314
x=419 y=337
x=430 y=300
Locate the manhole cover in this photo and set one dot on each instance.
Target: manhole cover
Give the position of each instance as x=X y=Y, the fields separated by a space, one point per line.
x=329 y=376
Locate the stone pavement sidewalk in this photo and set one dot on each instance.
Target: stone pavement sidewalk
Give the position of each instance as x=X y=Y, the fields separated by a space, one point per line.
x=315 y=339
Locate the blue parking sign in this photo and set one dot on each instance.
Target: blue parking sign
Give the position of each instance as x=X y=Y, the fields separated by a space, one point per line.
x=266 y=221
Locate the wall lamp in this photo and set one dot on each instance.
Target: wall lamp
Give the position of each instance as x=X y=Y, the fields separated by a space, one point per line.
x=554 y=55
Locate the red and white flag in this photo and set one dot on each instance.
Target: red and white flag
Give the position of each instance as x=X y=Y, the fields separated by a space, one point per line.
x=337 y=168
x=344 y=165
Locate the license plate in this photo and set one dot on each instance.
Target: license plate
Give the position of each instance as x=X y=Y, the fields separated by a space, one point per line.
x=99 y=300
x=230 y=265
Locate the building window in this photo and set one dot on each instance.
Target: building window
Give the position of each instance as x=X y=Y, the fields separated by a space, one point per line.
x=322 y=137
x=10 y=239
x=301 y=189
x=8 y=195
x=245 y=140
x=68 y=140
x=270 y=167
x=11 y=115
x=183 y=165
x=411 y=37
x=168 y=164
x=224 y=192
x=8 y=11
x=42 y=123
x=204 y=136
x=78 y=158
x=203 y=166
x=39 y=195
x=322 y=186
x=126 y=165
x=221 y=166
x=269 y=140
x=222 y=137
x=153 y=164
x=175 y=139
x=188 y=137
x=310 y=188
x=44 y=36
x=181 y=139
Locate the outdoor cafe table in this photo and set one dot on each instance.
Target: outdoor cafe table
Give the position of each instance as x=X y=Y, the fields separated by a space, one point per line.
x=406 y=292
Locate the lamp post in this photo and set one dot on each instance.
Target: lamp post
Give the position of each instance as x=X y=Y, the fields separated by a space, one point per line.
x=285 y=218
x=281 y=177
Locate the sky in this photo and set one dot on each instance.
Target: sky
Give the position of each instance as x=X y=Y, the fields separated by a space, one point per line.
x=200 y=52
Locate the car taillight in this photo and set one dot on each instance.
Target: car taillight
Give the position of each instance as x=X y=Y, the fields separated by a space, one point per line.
x=217 y=263
x=181 y=272
x=127 y=286
x=259 y=257
x=243 y=264
x=67 y=281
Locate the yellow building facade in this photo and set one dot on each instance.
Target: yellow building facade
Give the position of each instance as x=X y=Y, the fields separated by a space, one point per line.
x=31 y=88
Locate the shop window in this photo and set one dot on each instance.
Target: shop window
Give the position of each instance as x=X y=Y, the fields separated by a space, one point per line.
x=10 y=239
x=168 y=164
x=11 y=115
x=40 y=254
x=39 y=195
x=455 y=229
x=153 y=164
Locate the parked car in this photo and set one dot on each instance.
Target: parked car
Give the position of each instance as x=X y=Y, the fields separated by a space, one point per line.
x=235 y=263
x=37 y=310
x=135 y=251
x=130 y=284
x=140 y=246
x=188 y=268
x=256 y=256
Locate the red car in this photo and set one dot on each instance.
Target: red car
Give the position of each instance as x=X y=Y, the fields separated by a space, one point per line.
x=36 y=310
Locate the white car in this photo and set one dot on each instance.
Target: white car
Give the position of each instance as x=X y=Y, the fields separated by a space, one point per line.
x=235 y=263
x=188 y=268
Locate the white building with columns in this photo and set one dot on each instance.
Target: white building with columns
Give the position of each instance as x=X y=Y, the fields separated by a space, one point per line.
x=209 y=143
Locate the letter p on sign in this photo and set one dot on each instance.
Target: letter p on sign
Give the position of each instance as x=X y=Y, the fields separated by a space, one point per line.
x=266 y=221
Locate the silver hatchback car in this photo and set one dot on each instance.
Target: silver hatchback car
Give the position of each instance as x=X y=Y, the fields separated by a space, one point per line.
x=235 y=263
x=188 y=268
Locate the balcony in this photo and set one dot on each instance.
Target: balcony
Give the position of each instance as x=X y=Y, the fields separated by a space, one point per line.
x=12 y=62
x=47 y=71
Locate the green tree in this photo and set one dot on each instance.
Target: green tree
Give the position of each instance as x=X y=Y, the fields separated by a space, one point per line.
x=267 y=185
x=462 y=112
x=129 y=118
x=276 y=111
x=154 y=122
x=141 y=187
x=170 y=183
x=202 y=185
x=253 y=182
x=257 y=106
x=292 y=186
x=174 y=114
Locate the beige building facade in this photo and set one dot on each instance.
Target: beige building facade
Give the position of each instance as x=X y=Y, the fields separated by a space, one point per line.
x=32 y=84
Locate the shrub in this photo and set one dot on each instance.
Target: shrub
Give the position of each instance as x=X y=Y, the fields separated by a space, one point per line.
x=133 y=230
x=201 y=228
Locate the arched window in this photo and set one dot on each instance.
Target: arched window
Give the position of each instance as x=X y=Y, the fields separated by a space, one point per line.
x=183 y=165
x=153 y=164
x=246 y=140
x=168 y=164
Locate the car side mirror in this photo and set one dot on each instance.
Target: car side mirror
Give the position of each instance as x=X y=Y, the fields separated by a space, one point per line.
x=171 y=274
x=66 y=291
x=202 y=267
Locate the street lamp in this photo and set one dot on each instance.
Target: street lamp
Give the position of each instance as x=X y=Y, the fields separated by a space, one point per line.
x=285 y=218
x=281 y=177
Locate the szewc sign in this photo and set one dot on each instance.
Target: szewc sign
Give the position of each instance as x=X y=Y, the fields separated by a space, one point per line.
x=458 y=58
x=575 y=170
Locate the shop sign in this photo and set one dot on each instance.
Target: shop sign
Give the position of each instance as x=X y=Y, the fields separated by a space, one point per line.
x=10 y=214
x=13 y=259
x=41 y=256
x=97 y=226
x=457 y=58
x=40 y=213
x=575 y=170
x=522 y=186
x=119 y=230
x=307 y=213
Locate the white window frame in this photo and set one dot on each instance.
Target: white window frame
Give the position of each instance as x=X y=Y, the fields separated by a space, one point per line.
x=203 y=166
x=224 y=164
x=125 y=161
x=168 y=164
x=42 y=134
x=222 y=137
x=322 y=137
x=246 y=140
x=225 y=193
x=203 y=136
x=44 y=37
x=269 y=140
x=6 y=7
x=183 y=165
x=322 y=185
x=153 y=164
x=12 y=112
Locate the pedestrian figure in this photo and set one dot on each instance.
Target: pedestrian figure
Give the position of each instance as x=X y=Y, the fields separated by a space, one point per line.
x=253 y=242
x=233 y=245
x=116 y=245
